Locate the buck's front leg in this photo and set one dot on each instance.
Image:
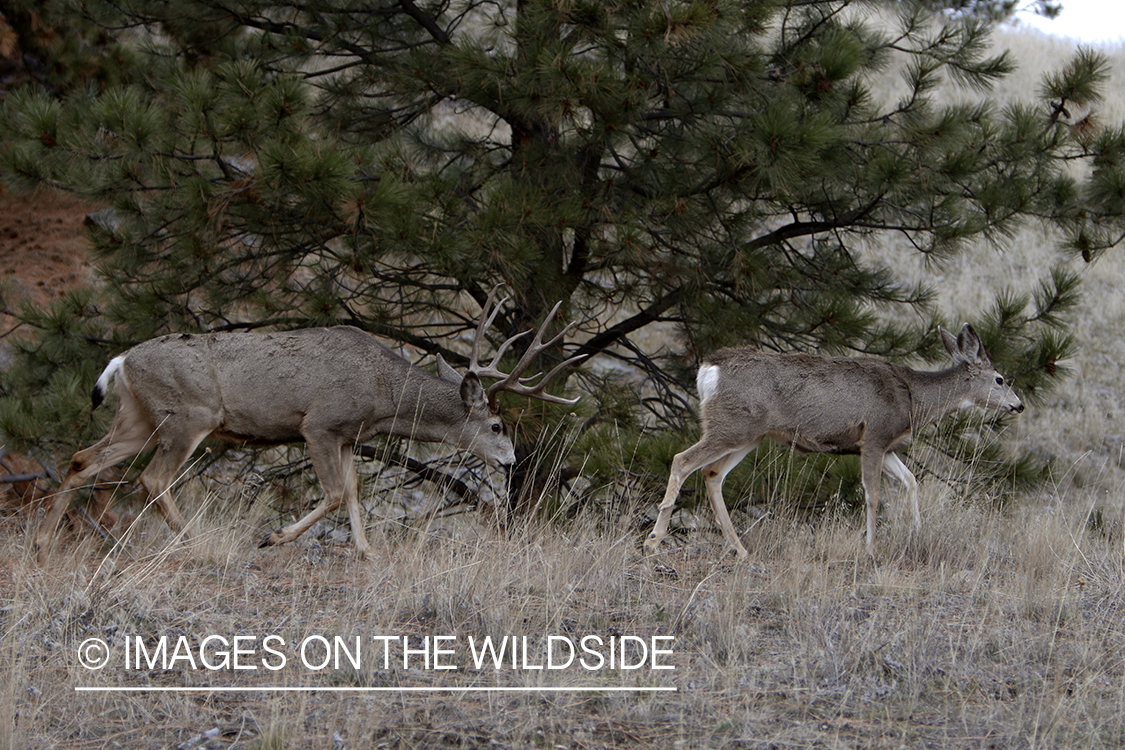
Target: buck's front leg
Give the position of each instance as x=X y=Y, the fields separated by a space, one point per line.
x=351 y=499
x=335 y=467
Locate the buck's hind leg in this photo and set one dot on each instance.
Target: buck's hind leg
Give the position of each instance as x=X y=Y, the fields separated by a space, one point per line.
x=174 y=448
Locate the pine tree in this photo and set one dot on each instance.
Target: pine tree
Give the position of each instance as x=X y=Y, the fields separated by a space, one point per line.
x=996 y=10
x=707 y=168
x=58 y=52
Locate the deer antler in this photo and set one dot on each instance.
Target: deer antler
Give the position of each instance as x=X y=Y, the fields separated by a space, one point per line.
x=511 y=381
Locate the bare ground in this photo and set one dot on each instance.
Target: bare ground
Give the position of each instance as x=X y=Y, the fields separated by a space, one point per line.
x=43 y=254
x=42 y=246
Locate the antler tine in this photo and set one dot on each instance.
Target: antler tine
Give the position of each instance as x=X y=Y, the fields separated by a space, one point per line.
x=487 y=318
x=537 y=390
x=511 y=381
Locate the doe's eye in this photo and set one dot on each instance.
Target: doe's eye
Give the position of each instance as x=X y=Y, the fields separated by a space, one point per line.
x=497 y=429
x=999 y=380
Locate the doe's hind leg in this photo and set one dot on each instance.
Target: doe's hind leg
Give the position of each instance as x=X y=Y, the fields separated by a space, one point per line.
x=714 y=475
x=703 y=453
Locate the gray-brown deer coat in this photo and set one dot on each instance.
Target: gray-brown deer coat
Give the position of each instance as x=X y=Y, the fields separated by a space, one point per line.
x=844 y=405
x=329 y=387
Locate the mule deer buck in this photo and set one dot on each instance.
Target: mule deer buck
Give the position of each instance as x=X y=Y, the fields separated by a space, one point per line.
x=843 y=405
x=329 y=387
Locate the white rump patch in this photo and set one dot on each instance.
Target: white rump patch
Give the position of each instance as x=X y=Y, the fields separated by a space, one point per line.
x=110 y=370
x=707 y=382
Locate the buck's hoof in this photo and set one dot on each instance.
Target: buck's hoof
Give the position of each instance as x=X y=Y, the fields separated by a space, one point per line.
x=270 y=539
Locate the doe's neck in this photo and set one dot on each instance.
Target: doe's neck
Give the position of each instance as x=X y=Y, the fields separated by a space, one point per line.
x=936 y=394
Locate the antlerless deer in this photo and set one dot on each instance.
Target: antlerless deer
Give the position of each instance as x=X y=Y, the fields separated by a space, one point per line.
x=845 y=405
x=329 y=387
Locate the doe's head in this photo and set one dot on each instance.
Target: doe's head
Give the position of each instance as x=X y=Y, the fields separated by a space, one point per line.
x=990 y=390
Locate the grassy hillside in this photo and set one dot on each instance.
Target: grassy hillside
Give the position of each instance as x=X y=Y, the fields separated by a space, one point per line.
x=1000 y=629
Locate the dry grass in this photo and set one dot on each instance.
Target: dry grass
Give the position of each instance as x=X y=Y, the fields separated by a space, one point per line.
x=987 y=629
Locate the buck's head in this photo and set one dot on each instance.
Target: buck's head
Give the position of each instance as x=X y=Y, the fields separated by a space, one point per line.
x=484 y=433
x=988 y=388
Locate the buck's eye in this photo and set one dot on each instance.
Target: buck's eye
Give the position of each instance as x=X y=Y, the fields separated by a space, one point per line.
x=999 y=380
x=497 y=429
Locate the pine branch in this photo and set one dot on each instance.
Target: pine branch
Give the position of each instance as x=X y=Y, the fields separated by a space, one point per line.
x=607 y=338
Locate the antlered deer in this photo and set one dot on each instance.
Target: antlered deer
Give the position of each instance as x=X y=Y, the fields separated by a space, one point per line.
x=844 y=405
x=329 y=387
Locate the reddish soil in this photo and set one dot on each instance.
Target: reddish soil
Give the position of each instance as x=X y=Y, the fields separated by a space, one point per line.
x=42 y=246
x=42 y=255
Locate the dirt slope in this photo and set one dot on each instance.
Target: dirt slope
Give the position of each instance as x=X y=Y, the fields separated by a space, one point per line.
x=42 y=246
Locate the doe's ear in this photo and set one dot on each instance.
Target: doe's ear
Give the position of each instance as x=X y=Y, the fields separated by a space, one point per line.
x=472 y=393
x=971 y=347
x=966 y=347
x=950 y=342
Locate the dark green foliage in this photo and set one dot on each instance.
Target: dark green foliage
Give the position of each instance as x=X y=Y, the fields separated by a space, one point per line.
x=707 y=170
x=43 y=44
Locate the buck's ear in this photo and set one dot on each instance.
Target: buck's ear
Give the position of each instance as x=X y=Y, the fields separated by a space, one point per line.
x=446 y=371
x=472 y=393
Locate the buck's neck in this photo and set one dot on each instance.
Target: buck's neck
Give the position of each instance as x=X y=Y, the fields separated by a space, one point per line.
x=937 y=394
x=427 y=408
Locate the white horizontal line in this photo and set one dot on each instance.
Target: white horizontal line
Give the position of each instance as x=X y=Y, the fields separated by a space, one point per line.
x=324 y=689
